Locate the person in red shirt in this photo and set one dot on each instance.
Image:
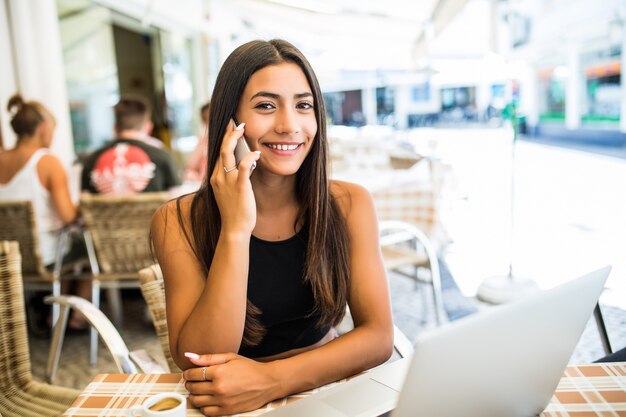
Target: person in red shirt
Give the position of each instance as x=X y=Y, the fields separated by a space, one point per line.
x=131 y=163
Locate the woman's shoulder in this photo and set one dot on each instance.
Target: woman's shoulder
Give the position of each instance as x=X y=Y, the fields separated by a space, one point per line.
x=48 y=160
x=344 y=189
x=349 y=196
x=175 y=206
x=168 y=220
x=50 y=169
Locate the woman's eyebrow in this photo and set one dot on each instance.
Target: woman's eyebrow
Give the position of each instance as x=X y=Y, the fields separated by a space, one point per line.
x=277 y=97
x=265 y=94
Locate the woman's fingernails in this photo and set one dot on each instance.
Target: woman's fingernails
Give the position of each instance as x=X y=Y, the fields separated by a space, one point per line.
x=240 y=127
x=192 y=355
x=258 y=152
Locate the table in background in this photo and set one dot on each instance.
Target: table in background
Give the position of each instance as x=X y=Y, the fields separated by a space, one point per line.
x=584 y=391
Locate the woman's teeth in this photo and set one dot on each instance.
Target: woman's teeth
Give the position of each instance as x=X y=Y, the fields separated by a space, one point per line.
x=282 y=147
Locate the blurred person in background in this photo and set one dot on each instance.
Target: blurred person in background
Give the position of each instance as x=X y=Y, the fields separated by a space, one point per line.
x=31 y=172
x=130 y=163
x=195 y=168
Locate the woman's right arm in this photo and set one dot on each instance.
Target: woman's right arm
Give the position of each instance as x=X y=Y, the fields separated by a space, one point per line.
x=53 y=177
x=206 y=312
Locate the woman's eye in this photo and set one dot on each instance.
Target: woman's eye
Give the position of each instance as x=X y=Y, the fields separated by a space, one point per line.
x=265 y=106
x=305 y=105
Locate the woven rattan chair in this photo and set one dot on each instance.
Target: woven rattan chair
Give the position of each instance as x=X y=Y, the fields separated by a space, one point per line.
x=20 y=395
x=18 y=224
x=117 y=232
x=153 y=292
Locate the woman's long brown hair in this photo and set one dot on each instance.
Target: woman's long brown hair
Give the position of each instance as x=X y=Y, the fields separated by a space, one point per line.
x=327 y=266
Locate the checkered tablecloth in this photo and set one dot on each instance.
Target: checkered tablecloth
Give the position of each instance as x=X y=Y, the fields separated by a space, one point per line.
x=584 y=391
x=590 y=390
x=110 y=395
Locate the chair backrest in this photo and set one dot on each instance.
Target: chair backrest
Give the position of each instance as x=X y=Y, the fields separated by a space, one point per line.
x=153 y=292
x=15 y=370
x=18 y=224
x=414 y=204
x=119 y=227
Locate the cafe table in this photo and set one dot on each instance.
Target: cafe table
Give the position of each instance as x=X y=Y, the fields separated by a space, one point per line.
x=584 y=391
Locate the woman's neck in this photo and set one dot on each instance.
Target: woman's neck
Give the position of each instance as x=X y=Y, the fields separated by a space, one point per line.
x=277 y=206
x=29 y=144
x=273 y=192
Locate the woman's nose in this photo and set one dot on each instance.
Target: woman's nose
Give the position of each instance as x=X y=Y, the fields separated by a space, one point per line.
x=286 y=122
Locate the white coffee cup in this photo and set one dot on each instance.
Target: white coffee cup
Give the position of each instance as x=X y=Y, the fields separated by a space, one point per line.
x=144 y=410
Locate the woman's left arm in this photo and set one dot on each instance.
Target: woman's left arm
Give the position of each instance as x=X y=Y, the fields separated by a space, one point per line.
x=237 y=384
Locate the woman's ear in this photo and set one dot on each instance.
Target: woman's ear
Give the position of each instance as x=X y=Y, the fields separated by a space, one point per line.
x=41 y=130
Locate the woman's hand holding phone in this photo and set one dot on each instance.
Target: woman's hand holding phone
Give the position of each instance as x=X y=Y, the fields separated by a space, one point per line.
x=231 y=184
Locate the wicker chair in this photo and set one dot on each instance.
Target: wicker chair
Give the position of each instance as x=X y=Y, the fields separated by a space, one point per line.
x=18 y=223
x=153 y=292
x=20 y=395
x=117 y=238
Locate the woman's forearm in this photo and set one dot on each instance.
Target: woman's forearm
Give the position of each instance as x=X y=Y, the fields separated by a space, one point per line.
x=216 y=323
x=356 y=351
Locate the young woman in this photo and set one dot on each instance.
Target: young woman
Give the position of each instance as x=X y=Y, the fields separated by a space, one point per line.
x=31 y=172
x=260 y=262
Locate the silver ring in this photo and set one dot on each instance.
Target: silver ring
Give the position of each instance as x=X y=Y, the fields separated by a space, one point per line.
x=204 y=373
x=227 y=170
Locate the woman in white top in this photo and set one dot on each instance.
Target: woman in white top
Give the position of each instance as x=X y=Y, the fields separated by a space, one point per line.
x=31 y=172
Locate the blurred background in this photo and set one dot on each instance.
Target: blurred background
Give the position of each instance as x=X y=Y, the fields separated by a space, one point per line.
x=507 y=116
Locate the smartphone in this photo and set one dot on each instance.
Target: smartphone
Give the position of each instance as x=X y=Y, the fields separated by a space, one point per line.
x=242 y=148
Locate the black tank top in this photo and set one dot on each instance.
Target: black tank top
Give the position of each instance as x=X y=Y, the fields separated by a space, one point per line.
x=276 y=286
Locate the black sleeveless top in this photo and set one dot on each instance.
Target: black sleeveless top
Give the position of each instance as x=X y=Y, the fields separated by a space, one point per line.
x=276 y=286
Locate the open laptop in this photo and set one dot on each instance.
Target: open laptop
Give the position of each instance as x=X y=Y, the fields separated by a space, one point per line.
x=504 y=361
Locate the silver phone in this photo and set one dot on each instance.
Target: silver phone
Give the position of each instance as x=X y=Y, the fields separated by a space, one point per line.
x=242 y=148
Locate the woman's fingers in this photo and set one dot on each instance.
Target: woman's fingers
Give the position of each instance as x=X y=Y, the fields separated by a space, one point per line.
x=207 y=405
x=210 y=359
x=213 y=411
x=200 y=387
x=227 y=151
x=247 y=165
x=204 y=372
x=202 y=400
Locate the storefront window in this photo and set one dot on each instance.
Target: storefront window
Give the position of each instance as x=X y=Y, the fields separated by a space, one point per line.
x=602 y=71
x=552 y=88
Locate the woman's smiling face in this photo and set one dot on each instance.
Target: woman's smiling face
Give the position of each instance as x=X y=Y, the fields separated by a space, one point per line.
x=278 y=108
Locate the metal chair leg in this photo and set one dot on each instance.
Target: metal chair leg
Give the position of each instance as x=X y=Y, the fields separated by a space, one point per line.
x=56 y=272
x=95 y=295
x=57 y=343
x=114 y=299
x=93 y=333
